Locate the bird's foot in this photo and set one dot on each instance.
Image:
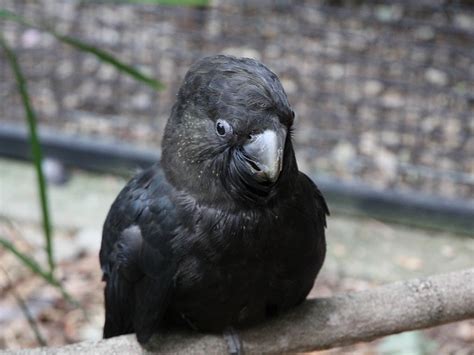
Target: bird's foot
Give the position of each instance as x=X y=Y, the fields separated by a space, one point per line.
x=234 y=345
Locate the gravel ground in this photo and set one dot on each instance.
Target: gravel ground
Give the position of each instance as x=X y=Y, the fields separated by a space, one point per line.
x=383 y=92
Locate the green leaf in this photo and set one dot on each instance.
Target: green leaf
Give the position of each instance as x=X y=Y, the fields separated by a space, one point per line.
x=88 y=48
x=26 y=311
x=171 y=2
x=31 y=264
x=35 y=148
x=26 y=260
x=10 y=16
x=106 y=57
x=155 y=2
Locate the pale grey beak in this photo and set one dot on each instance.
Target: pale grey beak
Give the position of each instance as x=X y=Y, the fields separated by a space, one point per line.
x=264 y=154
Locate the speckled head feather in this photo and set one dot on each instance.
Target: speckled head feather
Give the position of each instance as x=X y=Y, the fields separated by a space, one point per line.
x=248 y=96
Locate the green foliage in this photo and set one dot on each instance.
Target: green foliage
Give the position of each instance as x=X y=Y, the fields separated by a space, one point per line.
x=174 y=2
x=30 y=115
x=27 y=261
x=31 y=264
x=86 y=47
x=35 y=148
x=31 y=119
x=108 y=58
x=160 y=2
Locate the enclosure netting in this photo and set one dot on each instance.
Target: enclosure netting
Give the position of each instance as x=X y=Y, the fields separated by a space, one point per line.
x=383 y=90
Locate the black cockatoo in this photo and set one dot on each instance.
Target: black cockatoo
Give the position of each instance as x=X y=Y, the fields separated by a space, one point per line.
x=226 y=231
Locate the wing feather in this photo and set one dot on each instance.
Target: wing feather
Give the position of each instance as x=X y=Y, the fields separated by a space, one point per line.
x=136 y=258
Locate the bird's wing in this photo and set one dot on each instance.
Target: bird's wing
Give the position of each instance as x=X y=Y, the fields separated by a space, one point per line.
x=310 y=189
x=135 y=256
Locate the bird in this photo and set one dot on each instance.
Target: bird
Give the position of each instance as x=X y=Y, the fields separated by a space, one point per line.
x=224 y=231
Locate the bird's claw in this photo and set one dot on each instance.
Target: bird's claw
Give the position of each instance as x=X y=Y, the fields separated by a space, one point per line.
x=232 y=339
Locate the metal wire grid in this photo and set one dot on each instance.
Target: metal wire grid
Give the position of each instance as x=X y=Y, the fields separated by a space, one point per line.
x=383 y=90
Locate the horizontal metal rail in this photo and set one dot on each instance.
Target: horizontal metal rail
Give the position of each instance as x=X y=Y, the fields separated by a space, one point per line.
x=355 y=198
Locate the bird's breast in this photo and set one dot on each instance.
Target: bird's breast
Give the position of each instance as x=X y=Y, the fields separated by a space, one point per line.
x=234 y=270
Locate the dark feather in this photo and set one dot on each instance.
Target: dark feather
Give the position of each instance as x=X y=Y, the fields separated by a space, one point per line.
x=201 y=242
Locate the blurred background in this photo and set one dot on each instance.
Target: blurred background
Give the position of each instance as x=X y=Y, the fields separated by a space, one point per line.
x=384 y=97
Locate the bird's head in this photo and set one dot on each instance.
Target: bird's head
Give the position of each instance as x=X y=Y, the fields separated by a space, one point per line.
x=229 y=134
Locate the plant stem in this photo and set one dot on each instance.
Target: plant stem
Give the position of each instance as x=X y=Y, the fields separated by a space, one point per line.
x=35 y=148
x=26 y=311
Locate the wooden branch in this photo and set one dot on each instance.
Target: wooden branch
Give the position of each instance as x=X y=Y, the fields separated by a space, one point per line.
x=325 y=323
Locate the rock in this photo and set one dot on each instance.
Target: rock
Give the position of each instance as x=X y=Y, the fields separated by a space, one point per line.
x=335 y=71
x=424 y=33
x=368 y=143
x=105 y=93
x=70 y=101
x=393 y=99
x=289 y=86
x=64 y=250
x=141 y=101
x=65 y=69
x=273 y=51
x=90 y=64
x=390 y=138
x=436 y=77
x=91 y=332
x=388 y=13
x=31 y=38
x=108 y=36
x=465 y=21
x=87 y=89
x=88 y=239
x=372 y=88
x=242 y=52
x=343 y=153
x=107 y=72
x=46 y=102
x=54 y=171
x=465 y=331
x=387 y=163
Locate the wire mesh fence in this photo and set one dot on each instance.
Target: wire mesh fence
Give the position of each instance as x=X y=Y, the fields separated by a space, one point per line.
x=383 y=90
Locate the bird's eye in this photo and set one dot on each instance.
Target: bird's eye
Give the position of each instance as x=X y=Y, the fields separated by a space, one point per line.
x=223 y=128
